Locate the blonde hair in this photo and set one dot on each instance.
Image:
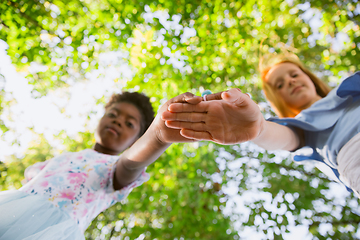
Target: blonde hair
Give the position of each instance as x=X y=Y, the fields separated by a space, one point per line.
x=280 y=107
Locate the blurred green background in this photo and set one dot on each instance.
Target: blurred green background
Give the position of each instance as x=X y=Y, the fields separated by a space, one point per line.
x=70 y=56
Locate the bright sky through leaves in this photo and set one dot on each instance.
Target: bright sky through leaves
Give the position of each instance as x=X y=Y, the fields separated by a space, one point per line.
x=75 y=55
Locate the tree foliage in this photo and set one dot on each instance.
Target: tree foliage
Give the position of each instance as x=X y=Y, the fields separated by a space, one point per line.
x=178 y=46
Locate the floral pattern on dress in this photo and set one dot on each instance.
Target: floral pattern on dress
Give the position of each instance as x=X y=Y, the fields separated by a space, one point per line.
x=79 y=183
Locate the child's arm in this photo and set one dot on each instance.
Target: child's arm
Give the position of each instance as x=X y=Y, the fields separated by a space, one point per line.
x=234 y=119
x=150 y=146
x=33 y=170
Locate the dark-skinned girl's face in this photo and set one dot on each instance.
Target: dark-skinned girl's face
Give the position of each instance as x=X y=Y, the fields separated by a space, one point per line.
x=118 y=129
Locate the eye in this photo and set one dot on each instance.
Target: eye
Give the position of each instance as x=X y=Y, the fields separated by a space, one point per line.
x=294 y=75
x=279 y=86
x=130 y=125
x=110 y=114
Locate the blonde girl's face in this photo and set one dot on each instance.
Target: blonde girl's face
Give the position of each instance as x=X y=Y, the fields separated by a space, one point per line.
x=292 y=85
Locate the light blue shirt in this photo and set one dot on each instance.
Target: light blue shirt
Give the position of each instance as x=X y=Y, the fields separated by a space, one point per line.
x=329 y=123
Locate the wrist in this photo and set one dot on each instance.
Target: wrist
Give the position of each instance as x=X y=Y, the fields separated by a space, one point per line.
x=262 y=130
x=156 y=137
x=144 y=151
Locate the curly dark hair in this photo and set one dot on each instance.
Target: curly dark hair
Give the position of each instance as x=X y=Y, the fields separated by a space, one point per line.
x=141 y=102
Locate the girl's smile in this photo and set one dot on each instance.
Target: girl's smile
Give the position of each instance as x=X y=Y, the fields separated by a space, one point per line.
x=296 y=89
x=293 y=86
x=113 y=130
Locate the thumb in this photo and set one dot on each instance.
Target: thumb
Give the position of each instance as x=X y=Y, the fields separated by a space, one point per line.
x=231 y=95
x=186 y=98
x=235 y=96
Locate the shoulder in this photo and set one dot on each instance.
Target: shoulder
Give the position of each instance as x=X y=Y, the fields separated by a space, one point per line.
x=350 y=87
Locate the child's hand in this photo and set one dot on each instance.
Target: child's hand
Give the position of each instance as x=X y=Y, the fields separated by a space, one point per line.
x=235 y=118
x=151 y=145
x=169 y=135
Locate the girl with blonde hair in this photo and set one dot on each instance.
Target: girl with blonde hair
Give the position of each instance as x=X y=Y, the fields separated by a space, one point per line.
x=319 y=124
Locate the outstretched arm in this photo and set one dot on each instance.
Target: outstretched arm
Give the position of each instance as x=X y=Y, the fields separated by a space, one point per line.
x=150 y=146
x=235 y=118
x=274 y=136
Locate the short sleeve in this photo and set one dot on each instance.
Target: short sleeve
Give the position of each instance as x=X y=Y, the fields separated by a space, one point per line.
x=118 y=195
x=33 y=170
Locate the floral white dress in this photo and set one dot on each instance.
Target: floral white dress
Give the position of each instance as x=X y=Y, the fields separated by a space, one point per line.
x=78 y=184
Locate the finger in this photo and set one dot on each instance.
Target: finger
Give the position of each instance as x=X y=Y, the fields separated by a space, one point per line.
x=199 y=126
x=184 y=117
x=195 y=135
x=182 y=98
x=214 y=96
x=231 y=95
x=235 y=96
x=185 y=107
x=187 y=98
x=194 y=100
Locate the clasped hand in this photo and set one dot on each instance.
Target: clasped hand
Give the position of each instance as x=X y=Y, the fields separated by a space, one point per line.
x=227 y=118
x=170 y=135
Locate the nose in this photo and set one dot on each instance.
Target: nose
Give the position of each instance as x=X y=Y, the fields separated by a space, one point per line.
x=119 y=121
x=116 y=122
x=291 y=81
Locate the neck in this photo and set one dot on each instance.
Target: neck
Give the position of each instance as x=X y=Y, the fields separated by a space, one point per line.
x=317 y=98
x=296 y=111
x=100 y=149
